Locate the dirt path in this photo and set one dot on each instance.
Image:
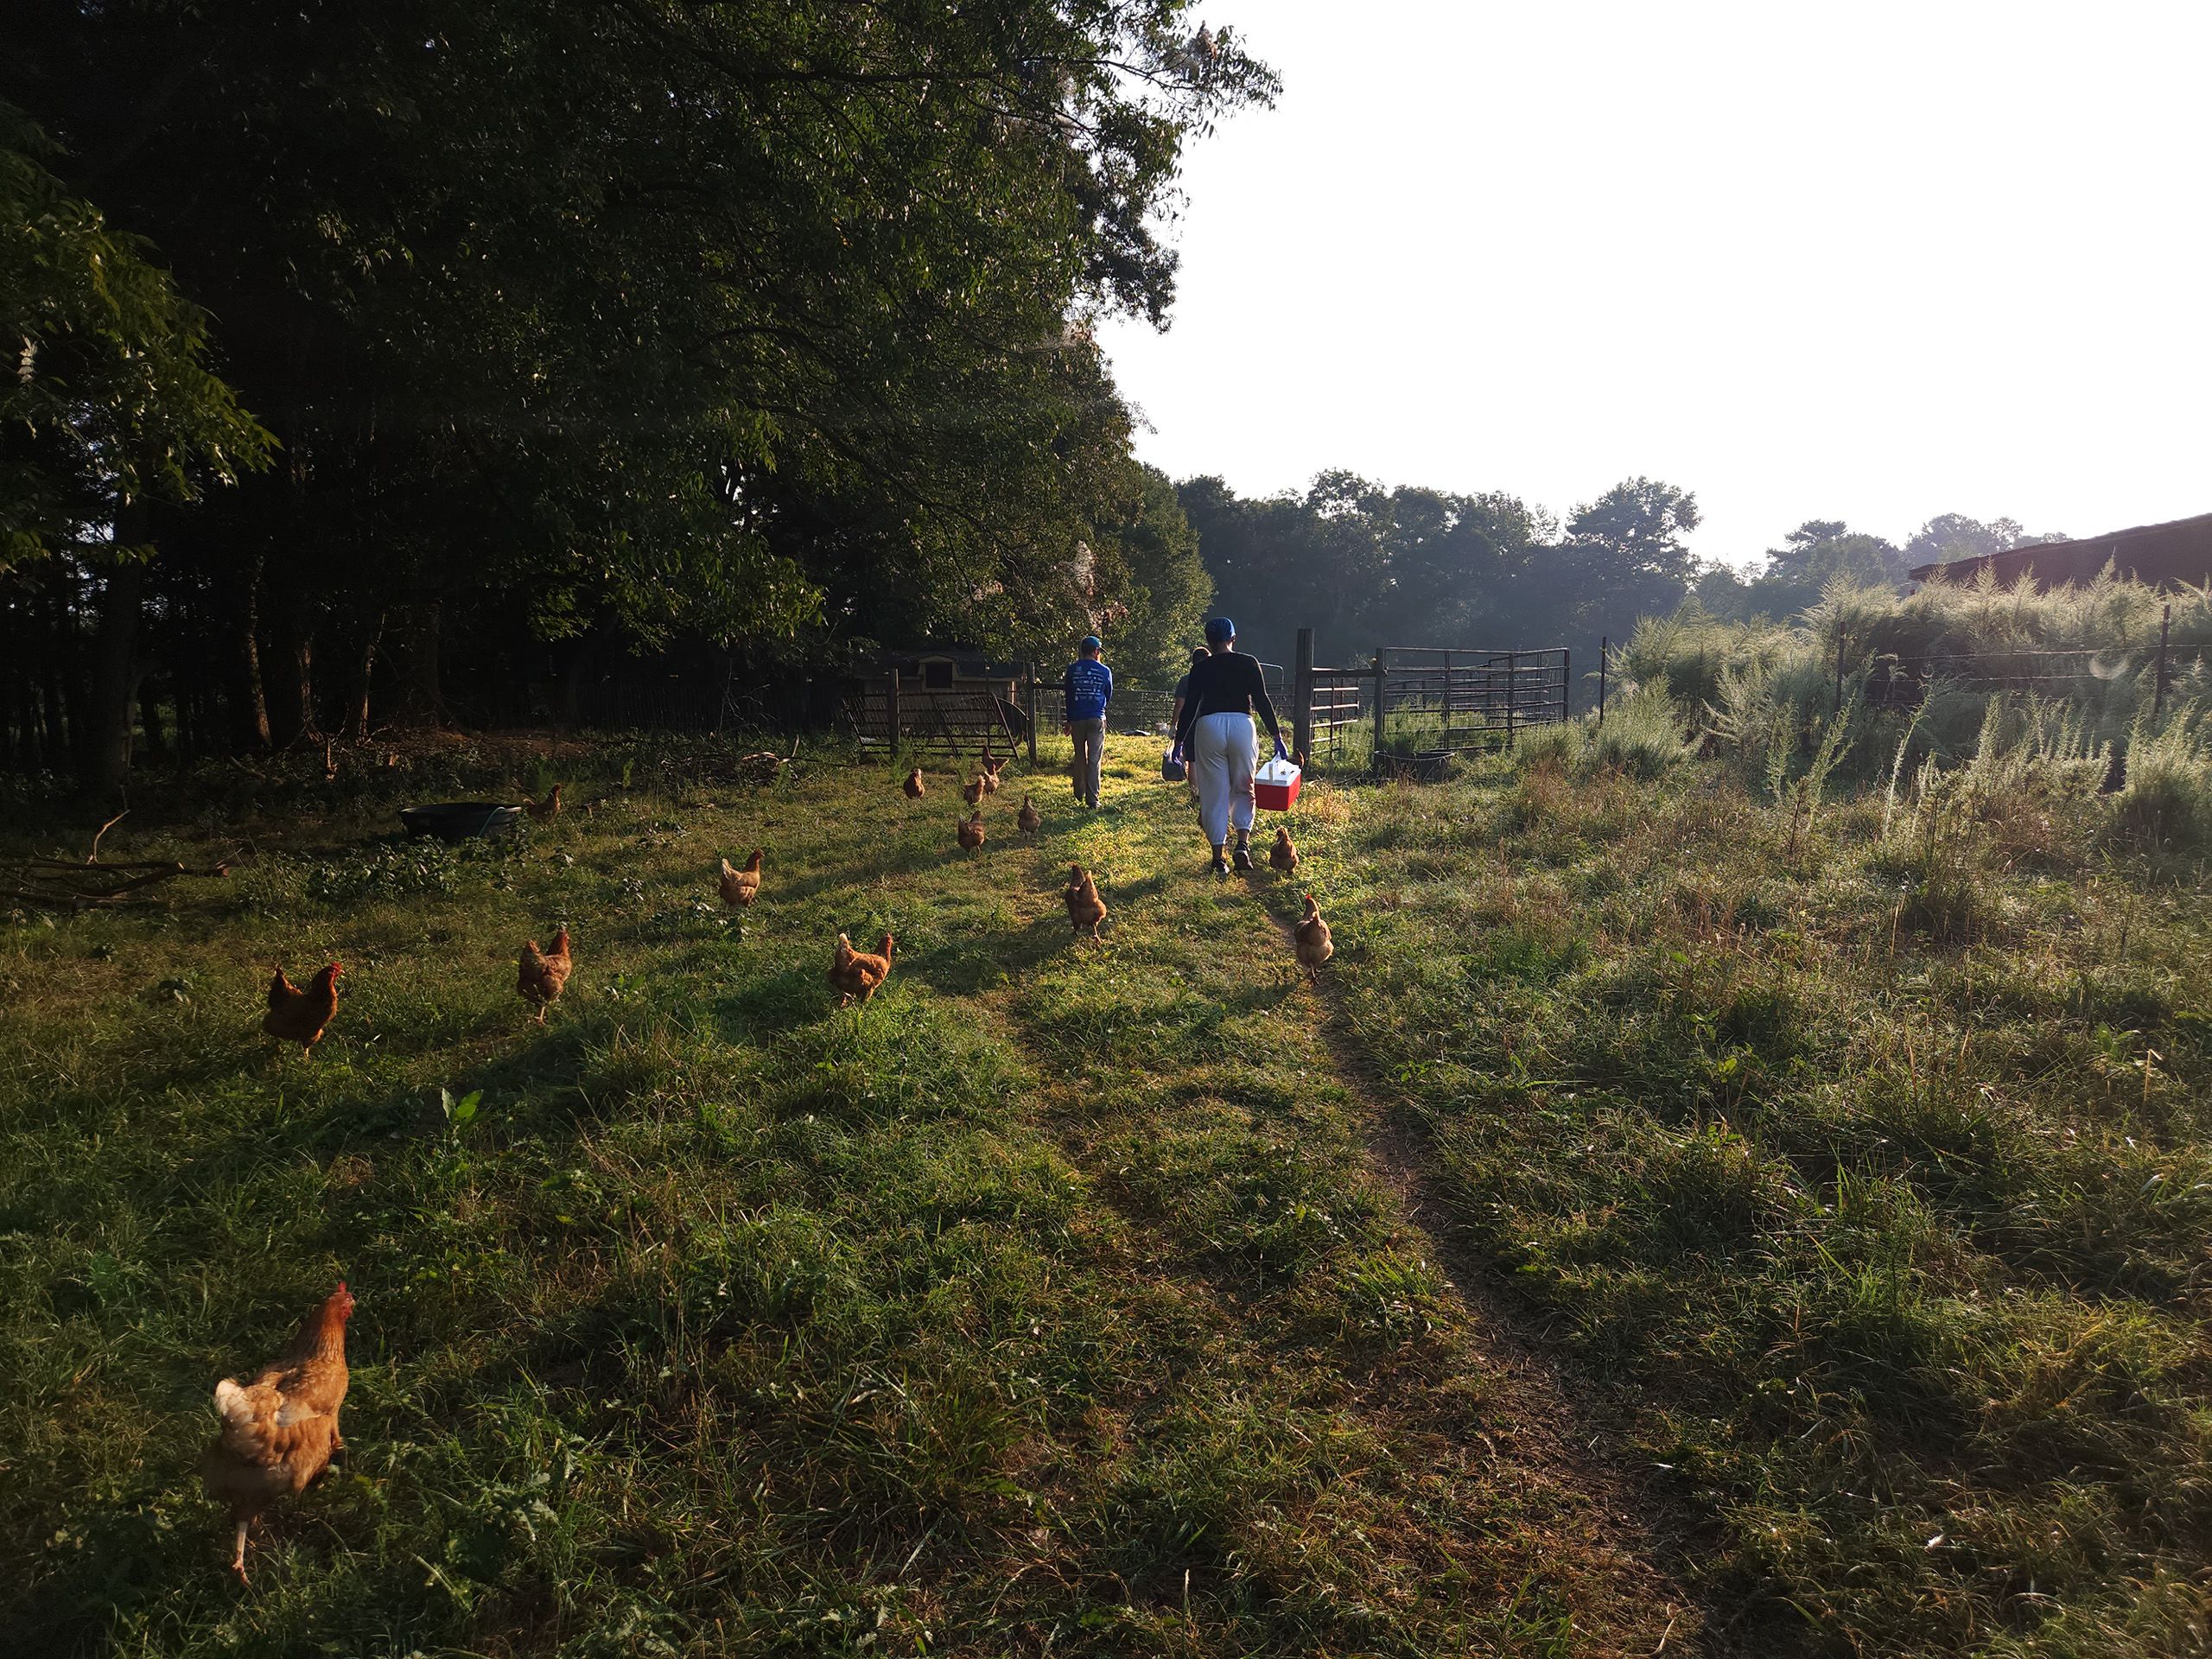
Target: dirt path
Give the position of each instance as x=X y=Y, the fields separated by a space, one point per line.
x=1548 y=1421
x=1177 y=1078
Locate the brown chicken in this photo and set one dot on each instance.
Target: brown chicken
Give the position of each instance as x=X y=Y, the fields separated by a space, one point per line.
x=1283 y=854
x=914 y=786
x=544 y=974
x=1315 y=945
x=1029 y=818
x=973 y=793
x=279 y=1430
x=970 y=831
x=1086 y=907
x=989 y=780
x=299 y=1016
x=547 y=808
x=740 y=887
x=856 y=974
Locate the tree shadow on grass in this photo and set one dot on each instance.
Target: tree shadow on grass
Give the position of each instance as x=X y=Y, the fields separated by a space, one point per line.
x=774 y=1003
x=971 y=965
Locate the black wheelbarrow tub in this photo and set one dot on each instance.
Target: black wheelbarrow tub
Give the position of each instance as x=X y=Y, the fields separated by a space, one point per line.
x=460 y=820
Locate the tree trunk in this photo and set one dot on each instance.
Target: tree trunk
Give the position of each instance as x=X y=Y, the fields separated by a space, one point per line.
x=253 y=702
x=149 y=719
x=62 y=715
x=104 y=758
x=56 y=747
x=356 y=708
x=292 y=707
x=421 y=697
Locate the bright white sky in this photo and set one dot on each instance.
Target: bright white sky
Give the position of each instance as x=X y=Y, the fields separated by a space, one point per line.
x=1870 y=262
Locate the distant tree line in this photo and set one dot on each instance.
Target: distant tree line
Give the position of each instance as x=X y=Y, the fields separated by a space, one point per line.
x=1365 y=565
x=368 y=361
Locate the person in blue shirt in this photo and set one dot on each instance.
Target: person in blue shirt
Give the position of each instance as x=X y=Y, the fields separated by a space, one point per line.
x=1089 y=684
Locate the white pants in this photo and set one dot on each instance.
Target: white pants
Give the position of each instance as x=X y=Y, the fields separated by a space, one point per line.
x=1221 y=766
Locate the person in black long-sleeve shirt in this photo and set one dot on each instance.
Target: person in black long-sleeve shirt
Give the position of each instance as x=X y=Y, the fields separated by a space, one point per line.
x=1216 y=736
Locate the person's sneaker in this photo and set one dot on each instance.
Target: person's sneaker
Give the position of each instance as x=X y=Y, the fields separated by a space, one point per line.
x=1243 y=858
x=1092 y=803
x=1221 y=870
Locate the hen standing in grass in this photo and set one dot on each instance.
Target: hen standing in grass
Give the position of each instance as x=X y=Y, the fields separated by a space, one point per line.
x=279 y=1430
x=1086 y=907
x=300 y=1016
x=857 y=973
x=544 y=974
x=914 y=786
x=973 y=793
x=1029 y=818
x=970 y=831
x=1283 y=854
x=740 y=887
x=547 y=808
x=1315 y=945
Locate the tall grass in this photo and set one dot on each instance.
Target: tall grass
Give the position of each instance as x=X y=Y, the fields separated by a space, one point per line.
x=2167 y=795
x=1757 y=679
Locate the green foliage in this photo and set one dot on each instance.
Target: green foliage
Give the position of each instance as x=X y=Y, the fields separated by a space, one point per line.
x=1151 y=555
x=1363 y=565
x=752 y=325
x=109 y=401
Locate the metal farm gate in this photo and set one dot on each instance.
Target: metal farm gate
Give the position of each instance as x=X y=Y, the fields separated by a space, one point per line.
x=1413 y=708
x=944 y=703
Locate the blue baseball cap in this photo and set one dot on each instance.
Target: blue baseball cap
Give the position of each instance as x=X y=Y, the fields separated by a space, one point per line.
x=1091 y=642
x=1219 y=630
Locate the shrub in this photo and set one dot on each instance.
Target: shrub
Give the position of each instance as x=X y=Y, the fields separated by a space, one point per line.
x=2167 y=795
x=1559 y=745
x=1643 y=736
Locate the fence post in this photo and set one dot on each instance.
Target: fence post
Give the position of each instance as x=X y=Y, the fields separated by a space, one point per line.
x=1566 y=685
x=1301 y=694
x=1376 y=760
x=2158 y=693
x=1605 y=653
x=1512 y=694
x=891 y=710
x=1029 y=674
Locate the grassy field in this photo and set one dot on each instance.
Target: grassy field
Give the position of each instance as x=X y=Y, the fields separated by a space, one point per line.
x=1867 y=1168
x=1667 y=1228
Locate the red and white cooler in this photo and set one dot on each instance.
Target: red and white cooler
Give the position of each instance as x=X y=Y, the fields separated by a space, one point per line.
x=1275 y=786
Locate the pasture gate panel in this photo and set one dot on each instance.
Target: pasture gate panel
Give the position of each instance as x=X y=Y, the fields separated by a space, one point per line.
x=1413 y=707
x=940 y=705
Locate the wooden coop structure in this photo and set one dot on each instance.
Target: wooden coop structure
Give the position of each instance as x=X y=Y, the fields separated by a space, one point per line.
x=944 y=701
